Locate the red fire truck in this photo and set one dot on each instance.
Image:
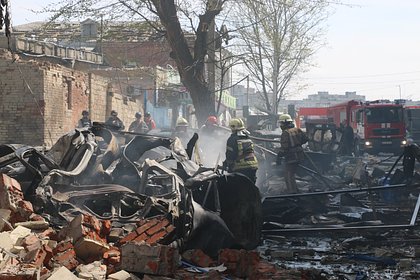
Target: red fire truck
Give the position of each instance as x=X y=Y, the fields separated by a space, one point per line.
x=306 y=115
x=378 y=126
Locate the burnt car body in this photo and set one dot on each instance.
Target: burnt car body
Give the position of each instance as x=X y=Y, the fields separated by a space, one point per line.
x=123 y=178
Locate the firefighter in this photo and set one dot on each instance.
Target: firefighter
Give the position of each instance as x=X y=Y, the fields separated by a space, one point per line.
x=240 y=156
x=85 y=121
x=138 y=126
x=149 y=121
x=209 y=126
x=347 y=140
x=291 y=140
x=114 y=122
x=181 y=131
x=411 y=153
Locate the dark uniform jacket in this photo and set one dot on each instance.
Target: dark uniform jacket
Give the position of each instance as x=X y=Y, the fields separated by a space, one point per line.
x=115 y=123
x=291 y=141
x=84 y=122
x=138 y=127
x=240 y=153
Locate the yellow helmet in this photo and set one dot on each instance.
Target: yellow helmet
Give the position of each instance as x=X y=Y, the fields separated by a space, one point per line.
x=285 y=118
x=181 y=122
x=236 y=124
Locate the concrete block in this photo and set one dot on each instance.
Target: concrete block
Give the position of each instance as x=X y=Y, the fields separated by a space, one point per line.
x=92 y=271
x=63 y=274
x=155 y=260
x=88 y=249
x=19 y=232
x=16 y=271
x=120 y=275
x=6 y=241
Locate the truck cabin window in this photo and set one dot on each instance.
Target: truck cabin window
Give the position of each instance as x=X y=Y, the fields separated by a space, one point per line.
x=384 y=115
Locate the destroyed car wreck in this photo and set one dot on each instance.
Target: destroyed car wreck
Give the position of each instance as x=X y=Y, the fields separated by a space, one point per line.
x=108 y=190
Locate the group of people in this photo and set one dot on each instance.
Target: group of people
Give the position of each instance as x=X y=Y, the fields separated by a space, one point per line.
x=115 y=123
x=240 y=154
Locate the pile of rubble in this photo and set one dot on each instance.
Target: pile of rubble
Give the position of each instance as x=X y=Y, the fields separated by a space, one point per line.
x=90 y=248
x=105 y=205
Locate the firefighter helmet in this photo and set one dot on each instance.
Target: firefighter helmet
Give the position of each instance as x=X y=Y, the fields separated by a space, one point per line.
x=285 y=118
x=181 y=122
x=138 y=115
x=236 y=124
x=211 y=120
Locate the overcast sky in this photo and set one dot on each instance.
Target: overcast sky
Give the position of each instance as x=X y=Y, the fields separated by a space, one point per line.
x=373 y=48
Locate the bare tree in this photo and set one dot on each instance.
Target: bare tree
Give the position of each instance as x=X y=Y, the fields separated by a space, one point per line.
x=277 y=39
x=165 y=17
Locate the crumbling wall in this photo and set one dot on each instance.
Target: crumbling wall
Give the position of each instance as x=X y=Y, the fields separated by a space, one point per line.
x=40 y=101
x=125 y=106
x=21 y=101
x=66 y=96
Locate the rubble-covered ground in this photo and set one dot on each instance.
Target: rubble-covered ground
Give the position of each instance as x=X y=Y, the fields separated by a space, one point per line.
x=112 y=205
x=354 y=218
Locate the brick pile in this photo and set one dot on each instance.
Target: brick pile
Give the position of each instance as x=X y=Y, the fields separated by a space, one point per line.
x=89 y=248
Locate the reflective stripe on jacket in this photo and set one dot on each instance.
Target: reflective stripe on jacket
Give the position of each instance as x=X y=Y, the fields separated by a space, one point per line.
x=240 y=153
x=291 y=141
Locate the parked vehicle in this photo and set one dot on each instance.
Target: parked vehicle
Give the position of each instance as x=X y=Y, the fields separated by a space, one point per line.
x=378 y=126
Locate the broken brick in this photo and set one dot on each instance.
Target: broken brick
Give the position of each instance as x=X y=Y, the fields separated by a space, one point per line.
x=143 y=258
x=198 y=258
x=157 y=227
x=87 y=234
x=157 y=237
x=239 y=263
x=10 y=193
x=64 y=255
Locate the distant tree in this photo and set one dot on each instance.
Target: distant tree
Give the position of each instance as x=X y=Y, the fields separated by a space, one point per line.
x=164 y=16
x=5 y=17
x=277 y=40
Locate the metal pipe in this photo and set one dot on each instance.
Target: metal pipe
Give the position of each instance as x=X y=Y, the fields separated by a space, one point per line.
x=377 y=188
x=294 y=230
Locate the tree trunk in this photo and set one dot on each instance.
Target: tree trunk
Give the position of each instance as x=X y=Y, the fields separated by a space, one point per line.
x=191 y=68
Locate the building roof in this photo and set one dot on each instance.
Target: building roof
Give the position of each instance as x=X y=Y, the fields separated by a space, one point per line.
x=136 y=54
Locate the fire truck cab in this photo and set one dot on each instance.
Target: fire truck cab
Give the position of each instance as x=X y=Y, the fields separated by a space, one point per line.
x=378 y=126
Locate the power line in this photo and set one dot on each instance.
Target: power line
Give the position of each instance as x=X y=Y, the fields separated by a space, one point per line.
x=361 y=76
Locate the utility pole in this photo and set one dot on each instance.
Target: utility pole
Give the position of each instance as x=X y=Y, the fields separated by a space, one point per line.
x=247 y=90
x=399 y=86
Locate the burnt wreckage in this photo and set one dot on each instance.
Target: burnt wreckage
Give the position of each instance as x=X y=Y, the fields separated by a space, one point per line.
x=123 y=177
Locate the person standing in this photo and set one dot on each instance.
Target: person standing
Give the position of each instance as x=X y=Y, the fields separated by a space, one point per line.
x=138 y=126
x=240 y=155
x=291 y=141
x=114 y=122
x=182 y=131
x=149 y=121
x=210 y=126
x=85 y=121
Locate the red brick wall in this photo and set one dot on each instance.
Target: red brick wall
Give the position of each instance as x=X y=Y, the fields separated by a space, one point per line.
x=23 y=121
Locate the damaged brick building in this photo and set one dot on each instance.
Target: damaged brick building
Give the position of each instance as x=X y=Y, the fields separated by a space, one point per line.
x=41 y=100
